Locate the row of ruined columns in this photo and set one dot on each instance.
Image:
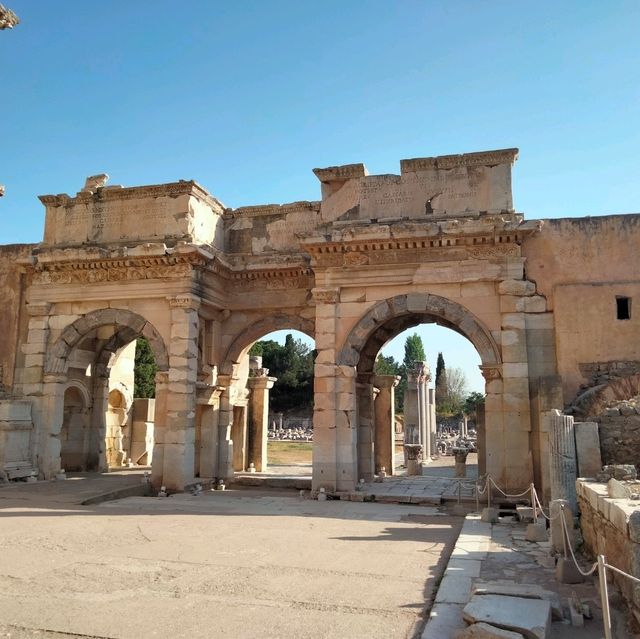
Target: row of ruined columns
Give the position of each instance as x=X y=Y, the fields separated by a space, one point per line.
x=420 y=410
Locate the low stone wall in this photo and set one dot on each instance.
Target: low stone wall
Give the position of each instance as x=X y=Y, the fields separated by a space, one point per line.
x=611 y=527
x=620 y=436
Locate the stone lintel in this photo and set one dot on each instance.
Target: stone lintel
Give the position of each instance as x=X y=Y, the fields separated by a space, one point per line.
x=274 y=209
x=481 y=158
x=341 y=173
x=187 y=301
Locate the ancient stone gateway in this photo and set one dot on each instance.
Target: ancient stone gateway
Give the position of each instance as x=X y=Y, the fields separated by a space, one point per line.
x=440 y=242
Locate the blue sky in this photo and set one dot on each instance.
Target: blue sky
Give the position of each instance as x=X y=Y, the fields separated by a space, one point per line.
x=247 y=97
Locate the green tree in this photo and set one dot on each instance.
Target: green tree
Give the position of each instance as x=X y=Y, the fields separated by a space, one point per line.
x=456 y=390
x=144 y=371
x=441 y=382
x=386 y=365
x=413 y=351
x=471 y=403
x=292 y=363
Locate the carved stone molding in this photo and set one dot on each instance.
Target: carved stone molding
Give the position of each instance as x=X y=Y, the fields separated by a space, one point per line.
x=491 y=372
x=326 y=295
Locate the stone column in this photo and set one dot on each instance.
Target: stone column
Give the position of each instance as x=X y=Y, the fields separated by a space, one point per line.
x=563 y=467
x=411 y=409
x=179 y=440
x=239 y=436
x=259 y=417
x=159 y=428
x=366 y=416
x=384 y=410
x=225 y=417
x=481 y=443
x=432 y=419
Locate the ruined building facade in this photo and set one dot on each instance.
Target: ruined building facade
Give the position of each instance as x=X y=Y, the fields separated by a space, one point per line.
x=548 y=305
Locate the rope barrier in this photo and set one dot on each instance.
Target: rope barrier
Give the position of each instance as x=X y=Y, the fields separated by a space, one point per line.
x=507 y=494
x=621 y=572
x=567 y=540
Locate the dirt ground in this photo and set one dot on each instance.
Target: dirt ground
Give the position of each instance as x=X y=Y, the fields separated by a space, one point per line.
x=224 y=564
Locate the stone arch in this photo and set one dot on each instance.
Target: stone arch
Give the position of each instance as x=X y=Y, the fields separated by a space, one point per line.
x=261 y=328
x=129 y=326
x=81 y=388
x=391 y=316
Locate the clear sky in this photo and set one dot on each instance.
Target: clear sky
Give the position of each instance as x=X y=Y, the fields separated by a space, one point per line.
x=247 y=97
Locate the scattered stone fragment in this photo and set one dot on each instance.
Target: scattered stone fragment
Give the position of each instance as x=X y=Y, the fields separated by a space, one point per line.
x=530 y=617
x=487 y=631
x=526 y=591
x=567 y=572
x=617 y=490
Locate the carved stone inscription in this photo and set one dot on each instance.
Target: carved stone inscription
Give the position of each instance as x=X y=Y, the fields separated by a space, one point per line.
x=119 y=220
x=434 y=193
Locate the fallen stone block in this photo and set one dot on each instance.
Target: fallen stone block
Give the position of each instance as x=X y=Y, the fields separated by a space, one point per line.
x=487 y=631
x=529 y=617
x=526 y=591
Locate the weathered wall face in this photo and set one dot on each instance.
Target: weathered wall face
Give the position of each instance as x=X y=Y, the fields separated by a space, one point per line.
x=437 y=187
x=12 y=289
x=178 y=211
x=582 y=265
x=619 y=429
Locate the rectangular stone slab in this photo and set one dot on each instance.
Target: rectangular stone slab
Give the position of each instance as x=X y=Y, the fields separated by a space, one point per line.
x=587 y=448
x=530 y=617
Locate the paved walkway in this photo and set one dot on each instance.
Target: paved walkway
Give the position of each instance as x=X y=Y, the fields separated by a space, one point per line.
x=499 y=553
x=236 y=564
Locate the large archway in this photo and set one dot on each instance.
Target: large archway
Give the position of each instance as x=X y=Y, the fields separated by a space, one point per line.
x=253 y=417
x=89 y=379
x=382 y=323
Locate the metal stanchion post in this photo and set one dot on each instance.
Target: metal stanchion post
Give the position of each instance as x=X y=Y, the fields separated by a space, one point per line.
x=604 y=597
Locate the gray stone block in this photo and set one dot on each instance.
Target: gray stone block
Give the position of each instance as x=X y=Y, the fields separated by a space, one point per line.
x=529 y=617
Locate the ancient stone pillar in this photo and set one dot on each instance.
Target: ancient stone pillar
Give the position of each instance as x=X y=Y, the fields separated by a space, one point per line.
x=179 y=438
x=385 y=438
x=239 y=436
x=433 y=425
x=335 y=426
x=52 y=406
x=411 y=409
x=159 y=428
x=563 y=467
x=481 y=440
x=259 y=417
x=225 y=441
x=366 y=397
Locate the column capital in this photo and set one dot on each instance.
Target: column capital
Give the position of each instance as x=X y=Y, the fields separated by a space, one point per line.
x=491 y=371
x=261 y=382
x=386 y=381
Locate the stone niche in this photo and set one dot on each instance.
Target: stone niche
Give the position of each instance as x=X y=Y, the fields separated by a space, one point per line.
x=177 y=211
x=447 y=186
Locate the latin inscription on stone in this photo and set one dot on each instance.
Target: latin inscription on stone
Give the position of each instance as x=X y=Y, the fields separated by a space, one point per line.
x=438 y=193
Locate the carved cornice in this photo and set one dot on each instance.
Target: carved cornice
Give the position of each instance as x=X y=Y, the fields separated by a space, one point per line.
x=112 y=193
x=341 y=173
x=274 y=209
x=491 y=371
x=483 y=158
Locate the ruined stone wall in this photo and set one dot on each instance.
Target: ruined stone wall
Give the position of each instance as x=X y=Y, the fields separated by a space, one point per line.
x=12 y=320
x=619 y=430
x=257 y=230
x=611 y=527
x=582 y=265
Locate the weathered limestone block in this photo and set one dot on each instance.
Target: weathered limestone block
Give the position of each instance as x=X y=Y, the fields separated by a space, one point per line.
x=516 y=287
